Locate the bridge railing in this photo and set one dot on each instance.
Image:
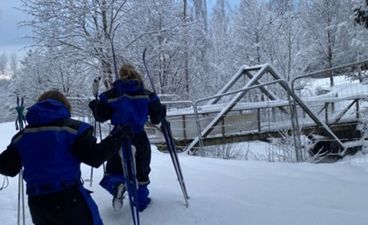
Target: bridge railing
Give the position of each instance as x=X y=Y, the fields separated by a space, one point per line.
x=339 y=102
x=199 y=139
x=187 y=122
x=262 y=120
x=182 y=120
x=258 y=121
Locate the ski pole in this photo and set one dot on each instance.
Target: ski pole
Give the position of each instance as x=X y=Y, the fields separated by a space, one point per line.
x=95 y=91
x=19 y=125
x=166 y=130
x=165 y=127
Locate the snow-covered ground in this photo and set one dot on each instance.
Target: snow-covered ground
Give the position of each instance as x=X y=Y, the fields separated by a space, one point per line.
x=232 y=192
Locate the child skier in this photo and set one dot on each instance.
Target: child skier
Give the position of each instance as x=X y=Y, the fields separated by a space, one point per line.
x=128 y=103
x=51 y=149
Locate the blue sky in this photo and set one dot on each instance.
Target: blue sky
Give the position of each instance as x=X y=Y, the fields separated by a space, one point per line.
x=12 y=36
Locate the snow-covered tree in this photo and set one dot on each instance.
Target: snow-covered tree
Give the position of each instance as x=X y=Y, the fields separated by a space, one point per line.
x=191 y=53
x=284 y=46
x=14 y=64
x=282 y=6
x=83 y=28
x=42 y=70
x=324 y=23
x=200 y=8
x=3 y=63
x=176 y=44
x=220 y=54
x=166 y=41
x=198 y=50
x=251 y=30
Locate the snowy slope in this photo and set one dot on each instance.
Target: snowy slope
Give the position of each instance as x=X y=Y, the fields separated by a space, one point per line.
x=226 y=192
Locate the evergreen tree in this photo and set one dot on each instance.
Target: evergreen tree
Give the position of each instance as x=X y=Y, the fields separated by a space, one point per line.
x=222 y=60
x=324 y=24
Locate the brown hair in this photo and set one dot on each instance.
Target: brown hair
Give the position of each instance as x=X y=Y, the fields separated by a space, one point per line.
x=56 y=95
x=128 y=72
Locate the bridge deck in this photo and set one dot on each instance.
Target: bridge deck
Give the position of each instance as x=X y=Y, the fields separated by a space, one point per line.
x=346 y=130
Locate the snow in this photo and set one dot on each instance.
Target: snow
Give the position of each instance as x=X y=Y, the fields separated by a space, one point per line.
x=232 y=192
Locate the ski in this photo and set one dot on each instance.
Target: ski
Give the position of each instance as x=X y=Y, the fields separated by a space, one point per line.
x=130 y=178
x=128 y=160
x=166 y=130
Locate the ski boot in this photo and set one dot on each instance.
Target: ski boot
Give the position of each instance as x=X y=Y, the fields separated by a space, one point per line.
x=118 y=200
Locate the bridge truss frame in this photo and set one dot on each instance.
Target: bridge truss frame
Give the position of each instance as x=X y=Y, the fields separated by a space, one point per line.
x=254 y=83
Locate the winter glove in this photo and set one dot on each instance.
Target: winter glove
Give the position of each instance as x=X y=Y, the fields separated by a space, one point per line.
x=93 y=104
x=121 y=132
x=101 y=111
x=157 y=112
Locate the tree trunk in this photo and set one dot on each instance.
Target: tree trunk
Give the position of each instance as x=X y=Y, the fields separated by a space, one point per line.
x=186 y=55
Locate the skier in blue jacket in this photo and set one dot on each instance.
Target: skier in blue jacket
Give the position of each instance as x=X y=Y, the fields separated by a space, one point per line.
x=128 y=103
x=50 y=149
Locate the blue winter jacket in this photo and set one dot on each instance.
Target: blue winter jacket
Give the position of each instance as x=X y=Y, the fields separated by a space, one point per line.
x=51 y=165
x=129 y=104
